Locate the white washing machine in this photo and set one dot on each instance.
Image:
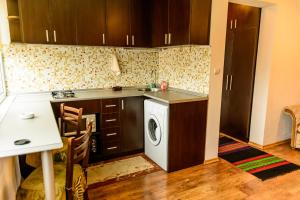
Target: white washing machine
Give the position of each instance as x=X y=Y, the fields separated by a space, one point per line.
x=157 y=132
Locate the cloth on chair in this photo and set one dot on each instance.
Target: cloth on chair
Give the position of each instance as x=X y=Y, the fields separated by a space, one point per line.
x=33 y=186
x=59 y=155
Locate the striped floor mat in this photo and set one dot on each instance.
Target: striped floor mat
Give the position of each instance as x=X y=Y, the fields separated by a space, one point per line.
x=256 y=162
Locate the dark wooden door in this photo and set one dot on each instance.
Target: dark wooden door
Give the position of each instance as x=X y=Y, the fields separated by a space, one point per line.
x=132 y=124
x=91 y=19
x=239 y=73
x=179 y=22
x=200 y=22
x=63 y=21
x=118 y=22
x=140 y=18
x=160 y=22
x=35 y=21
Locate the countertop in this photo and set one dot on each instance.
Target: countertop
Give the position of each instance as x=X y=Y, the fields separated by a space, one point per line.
x=169 y=96
x=13 y=128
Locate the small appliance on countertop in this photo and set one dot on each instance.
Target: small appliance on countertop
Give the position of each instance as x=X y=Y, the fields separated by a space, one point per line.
x=63 y=94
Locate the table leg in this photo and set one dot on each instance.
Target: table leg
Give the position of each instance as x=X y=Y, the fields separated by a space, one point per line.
x=48 y=173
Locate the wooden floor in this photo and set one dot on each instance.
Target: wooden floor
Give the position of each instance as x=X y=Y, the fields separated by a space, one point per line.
x=214 y=181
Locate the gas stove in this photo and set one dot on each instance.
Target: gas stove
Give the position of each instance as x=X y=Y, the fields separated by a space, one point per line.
x=63 y=94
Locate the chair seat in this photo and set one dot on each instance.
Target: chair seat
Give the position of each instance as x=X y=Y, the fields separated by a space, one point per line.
x=59 y=155
x=33 y=187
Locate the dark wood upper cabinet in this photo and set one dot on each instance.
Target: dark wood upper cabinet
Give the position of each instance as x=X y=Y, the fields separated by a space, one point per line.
x=48 y=21
x=118 y=22
x=62 y=17
x=140 y=23
x=91 y=22
x=35 y=21
x=200 y=22
x=160 y=22
x=125 y=23
x=179 y=22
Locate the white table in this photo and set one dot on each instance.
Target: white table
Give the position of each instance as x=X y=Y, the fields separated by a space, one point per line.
x=42 y=131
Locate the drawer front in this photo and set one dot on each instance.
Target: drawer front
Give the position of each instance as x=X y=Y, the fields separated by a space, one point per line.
x=110 y=105
x=110 y=120
x=110 y=134
x=111 y=147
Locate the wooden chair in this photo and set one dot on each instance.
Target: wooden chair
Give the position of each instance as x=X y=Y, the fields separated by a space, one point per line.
x=70 y=117
x=70 y=179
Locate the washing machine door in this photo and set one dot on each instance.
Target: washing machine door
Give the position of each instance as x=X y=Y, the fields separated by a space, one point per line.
x=154 y=130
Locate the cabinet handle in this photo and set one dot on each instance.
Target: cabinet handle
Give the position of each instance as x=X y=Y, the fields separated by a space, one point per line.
x=132 y=40
x=127 y=40
x=166 y=39
x=103 y=38
x=110 y=120
x=235 y=23
x=111 y=134
x=54 y=35
x=111 y=148
x=47 y=35
x=110 y=106
x=231 y=24
x=122 y=102
x=170 y=38
x=227 y=79
x=230 y=87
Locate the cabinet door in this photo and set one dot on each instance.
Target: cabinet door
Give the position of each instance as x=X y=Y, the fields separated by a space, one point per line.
x=244 y=17
x=160 y=22
x=132 y=124
x=35 y=20
x=140 y=23
x=90 y=22
x=179 y=21
x=200 y=22
x=62 y=20
x=240 y=63
x=118 y=22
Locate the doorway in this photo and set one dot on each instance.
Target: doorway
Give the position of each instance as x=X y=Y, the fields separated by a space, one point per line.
x=242 y=35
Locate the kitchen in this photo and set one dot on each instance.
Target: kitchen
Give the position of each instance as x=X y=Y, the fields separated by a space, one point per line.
x=56 y=48
x=145 y=78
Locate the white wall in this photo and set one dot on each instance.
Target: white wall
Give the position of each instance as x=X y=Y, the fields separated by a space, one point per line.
x=262 y=77
x=217 y=41
x=284 y=86
x=4 y=27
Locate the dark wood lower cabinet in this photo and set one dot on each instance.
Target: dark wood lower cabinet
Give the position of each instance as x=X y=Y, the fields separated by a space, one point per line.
x=187 y=131
x=132 y=124
x=119 y=125
x=120 y=129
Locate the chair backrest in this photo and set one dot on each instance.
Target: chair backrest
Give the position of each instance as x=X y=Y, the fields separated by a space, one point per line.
x=78 y=153
x=71 y=116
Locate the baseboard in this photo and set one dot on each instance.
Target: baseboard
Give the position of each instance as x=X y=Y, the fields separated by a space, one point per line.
x=210 y=161
x=263 y=147
x=241 y=141
x=258 y=146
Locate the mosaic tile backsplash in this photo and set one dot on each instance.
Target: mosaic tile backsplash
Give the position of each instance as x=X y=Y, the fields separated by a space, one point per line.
x=185 y=67
x=37 y=68
x=34 y=68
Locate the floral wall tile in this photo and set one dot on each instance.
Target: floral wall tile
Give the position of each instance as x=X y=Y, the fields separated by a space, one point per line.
x=185 y=67
x=36 y=68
